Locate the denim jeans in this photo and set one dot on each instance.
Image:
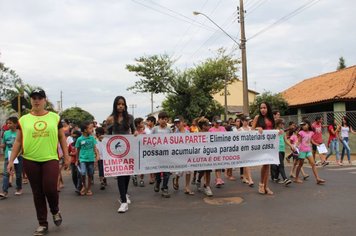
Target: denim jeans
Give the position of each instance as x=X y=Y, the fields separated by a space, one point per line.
x=87 y=168
x=334 y=145
x=165 y=179
x=345 y=143
x=18 y=172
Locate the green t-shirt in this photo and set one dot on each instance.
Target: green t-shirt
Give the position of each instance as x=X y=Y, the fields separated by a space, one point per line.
x=282 y=143
x=86 y=147
x=8 y=140
x=40 y=136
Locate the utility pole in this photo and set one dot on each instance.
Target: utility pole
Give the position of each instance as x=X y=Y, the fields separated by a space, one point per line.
x=225 y=98
x=244 y=60
x=61 y=103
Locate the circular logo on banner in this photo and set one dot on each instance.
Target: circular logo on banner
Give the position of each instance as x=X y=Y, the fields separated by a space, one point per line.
x=118 y=146
x=40 y=125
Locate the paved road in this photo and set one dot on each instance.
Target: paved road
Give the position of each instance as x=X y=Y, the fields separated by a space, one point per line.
x=303 y=209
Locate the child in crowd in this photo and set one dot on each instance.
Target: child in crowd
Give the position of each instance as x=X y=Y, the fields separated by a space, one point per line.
x=162 y=129
x=150 y=123
x=204 y=126
x=291 y=135
x=333 y=142
x=99 y=133
x=88 y=154
x=279 y=169
x=76 y=178
x=181 y=129
x=218 y=128
x=7 y=143
x=305 y=141
x=246 y=171
x=140 y=127
x=346 y=129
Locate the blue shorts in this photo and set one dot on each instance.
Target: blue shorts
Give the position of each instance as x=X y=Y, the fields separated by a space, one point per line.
x=303 y=155
x=87 y=168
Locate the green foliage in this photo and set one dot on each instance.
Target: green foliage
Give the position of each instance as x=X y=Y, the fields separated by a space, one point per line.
x=155 y=73
x=193 y=88
x=342 y=64
x=9 y=80
x=76 y=115
x=275 y=100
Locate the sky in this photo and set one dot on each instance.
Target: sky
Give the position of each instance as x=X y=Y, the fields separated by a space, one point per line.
x=81 y=47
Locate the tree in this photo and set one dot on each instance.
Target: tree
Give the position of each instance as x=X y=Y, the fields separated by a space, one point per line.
x=192 y=90
x=9 y=80
x=342 y=64
x=155 y=73
x=275 y=100
x=76 y=115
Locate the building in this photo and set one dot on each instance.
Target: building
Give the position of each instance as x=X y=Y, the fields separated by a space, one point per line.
x=330 y=92
x=235 y=97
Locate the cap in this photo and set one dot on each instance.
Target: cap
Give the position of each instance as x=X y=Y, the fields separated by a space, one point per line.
x=302 y=123
x=176 y=120
x=248 y=118
x=218 y=121
x=38 y=92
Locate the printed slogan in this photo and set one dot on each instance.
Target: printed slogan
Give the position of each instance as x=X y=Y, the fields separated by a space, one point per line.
x=129 y=155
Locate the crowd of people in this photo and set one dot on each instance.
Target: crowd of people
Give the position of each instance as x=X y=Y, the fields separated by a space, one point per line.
x=40 y=145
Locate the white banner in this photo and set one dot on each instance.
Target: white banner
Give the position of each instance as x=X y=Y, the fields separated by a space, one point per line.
x=129 y=155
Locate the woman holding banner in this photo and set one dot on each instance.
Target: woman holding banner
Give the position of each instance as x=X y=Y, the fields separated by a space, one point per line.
x=120 y=122
x=264 y=121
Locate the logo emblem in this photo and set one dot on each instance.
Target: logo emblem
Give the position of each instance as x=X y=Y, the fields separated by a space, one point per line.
x=118 y=146
x=40 y=125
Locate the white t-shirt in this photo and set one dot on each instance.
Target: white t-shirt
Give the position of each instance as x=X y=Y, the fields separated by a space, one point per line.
x=248 y=128
x=345 y=132
x=100 y=146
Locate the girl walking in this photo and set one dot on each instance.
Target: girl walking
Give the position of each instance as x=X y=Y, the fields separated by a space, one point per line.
x=264 y=121
x=121 y=122
x=345 y=130
x=305 y=140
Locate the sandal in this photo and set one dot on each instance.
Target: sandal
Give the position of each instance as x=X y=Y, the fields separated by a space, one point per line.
x=83 y=191
x=297 y=181
x=251 y=184
x=3 y=196
x=232 y=178
x=89 y=193
x=268 y=191
x=261 y=188
x=175 y=183
x=320 y=181
x=188 y=192
x=305 y=177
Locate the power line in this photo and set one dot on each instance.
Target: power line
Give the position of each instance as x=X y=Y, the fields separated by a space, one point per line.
x=256 y=7
x=181 y=16
x=286 y=17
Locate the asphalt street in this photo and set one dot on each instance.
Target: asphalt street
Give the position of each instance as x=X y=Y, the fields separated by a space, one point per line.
x=235 y=209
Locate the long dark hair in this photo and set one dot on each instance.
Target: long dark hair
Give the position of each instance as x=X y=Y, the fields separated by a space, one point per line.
x=332 y=122
x=125 y=114
x=347 y=121
x=261 y=119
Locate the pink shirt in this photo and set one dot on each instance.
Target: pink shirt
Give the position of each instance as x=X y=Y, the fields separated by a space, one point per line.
x=305 y=145
x=293 y=139
x=318 y=133
x=220 y=129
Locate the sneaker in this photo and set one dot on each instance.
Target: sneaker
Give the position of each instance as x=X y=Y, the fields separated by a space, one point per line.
x=142 y=183
x=325 y=163
x=128 y=200
x=123 y=208
x=281 y=181
x=57 y=219
x=41 y=230
x=102 y=186
x=134 y=180
x=287 y=182
x=207 y=191
x=156 y=187
x=18 y=192
x=165 y=193
x=3 y=196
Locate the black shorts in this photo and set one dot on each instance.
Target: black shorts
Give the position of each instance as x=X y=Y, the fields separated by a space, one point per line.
x=314 y=147
x=101 y=168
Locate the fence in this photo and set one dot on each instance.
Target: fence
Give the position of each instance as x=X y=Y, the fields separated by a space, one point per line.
x=327 y=117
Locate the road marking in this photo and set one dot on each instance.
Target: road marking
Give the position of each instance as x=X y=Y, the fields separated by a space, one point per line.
x=341 y=169
x=354 y=173
x=223 y=201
